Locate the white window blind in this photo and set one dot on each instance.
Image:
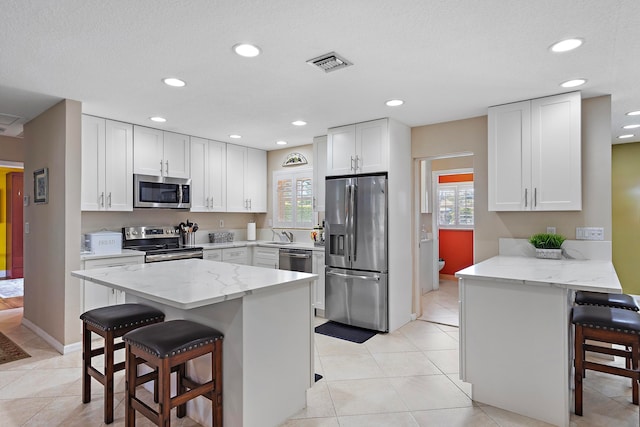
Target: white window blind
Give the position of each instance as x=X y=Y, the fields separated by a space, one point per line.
x=293 y=199
x=455 y=205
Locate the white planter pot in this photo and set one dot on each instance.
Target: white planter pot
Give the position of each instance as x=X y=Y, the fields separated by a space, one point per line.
x=549 y=253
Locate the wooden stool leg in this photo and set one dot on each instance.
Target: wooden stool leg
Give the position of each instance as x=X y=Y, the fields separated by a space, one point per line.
x=108 y=377
x=181 y=389
x=164 y=378
x=86 y=363
x=131 y=373
x=635 y=359
x=216 y=370
x=579 y=369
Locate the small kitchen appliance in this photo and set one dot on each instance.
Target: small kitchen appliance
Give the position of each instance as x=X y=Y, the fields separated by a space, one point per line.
x=103 y=242
x=158 y=243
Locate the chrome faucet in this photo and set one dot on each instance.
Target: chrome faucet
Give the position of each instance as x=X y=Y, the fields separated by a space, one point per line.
x=288 y=235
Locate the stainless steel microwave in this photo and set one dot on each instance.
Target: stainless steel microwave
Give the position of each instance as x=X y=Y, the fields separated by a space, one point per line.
x=161 y=192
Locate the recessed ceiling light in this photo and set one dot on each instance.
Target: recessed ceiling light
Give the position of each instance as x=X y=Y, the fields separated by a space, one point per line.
x=235 y=136
x=281 y=142
x=246 y=50
x=629 y=135
x=633 y=113
x=630 y=126
x=574 y=83
x=394 y=102
x=566 y=45
x=172 y=81
x=299 y=123
x=158 y=119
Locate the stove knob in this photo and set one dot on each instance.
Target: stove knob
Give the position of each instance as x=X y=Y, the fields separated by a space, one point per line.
x=134 y=232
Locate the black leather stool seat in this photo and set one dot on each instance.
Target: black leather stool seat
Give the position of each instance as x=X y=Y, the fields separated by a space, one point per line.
x=608 y=300
x=171 y=338
x=121 y=316
x=608 y=318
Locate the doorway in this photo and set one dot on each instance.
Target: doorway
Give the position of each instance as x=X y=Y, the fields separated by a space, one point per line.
x=11 y=235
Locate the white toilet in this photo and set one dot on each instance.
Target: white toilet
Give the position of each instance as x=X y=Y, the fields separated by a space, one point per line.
x=440 y=264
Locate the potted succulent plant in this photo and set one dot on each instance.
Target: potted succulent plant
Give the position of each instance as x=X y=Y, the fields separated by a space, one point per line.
x=548 y=246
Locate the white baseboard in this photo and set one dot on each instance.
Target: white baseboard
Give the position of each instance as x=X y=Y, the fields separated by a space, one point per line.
x=57 y=346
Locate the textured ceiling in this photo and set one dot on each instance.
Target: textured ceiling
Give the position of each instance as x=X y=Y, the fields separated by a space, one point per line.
x=447 y=60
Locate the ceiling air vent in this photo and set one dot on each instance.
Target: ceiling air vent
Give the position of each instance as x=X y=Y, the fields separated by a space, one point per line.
x=329 y=62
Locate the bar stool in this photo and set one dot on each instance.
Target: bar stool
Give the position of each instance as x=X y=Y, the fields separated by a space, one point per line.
x=166 y=348
x=607 y=300
x=612 y=326
x=110 y=323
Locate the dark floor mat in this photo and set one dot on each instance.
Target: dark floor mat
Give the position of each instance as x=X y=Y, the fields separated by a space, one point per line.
x=345 y=332
x=318 y=377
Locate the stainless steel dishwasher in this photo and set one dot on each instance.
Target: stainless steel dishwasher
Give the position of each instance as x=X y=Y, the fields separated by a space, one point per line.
x=295 y=260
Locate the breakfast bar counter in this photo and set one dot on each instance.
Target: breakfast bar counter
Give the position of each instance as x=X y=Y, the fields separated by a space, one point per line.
x=266 y=316
x=515 y=332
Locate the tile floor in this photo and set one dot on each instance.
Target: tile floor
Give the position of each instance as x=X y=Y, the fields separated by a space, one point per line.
x=441 y=306
x=406 y=378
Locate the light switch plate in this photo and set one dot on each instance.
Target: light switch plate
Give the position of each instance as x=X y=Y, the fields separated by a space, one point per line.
x=551 y=230
x=589 y=233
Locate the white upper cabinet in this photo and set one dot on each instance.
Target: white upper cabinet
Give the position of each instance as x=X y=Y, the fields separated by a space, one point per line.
x=161 y=153
x=208 y=175
x=358 y=148
x=246 y=179
x=319 y=171
x=107 y=165
x=534 y=155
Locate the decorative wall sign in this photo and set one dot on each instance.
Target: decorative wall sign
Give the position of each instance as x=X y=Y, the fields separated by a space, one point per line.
x=41 y=185
x=295 y=159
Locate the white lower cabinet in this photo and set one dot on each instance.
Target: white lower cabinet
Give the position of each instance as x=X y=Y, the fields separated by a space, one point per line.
x=266 y=257
x=235 y=255
x=94 y=295
x=317 y=267
x=212 y=254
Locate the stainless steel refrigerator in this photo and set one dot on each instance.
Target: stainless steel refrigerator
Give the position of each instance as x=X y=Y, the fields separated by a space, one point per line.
x=356 y=272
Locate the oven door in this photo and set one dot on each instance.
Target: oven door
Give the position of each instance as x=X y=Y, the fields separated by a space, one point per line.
x=161 y=192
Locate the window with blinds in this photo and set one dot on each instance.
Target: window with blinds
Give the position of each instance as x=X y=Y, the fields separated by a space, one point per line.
x=293 y=199
x=455 y=205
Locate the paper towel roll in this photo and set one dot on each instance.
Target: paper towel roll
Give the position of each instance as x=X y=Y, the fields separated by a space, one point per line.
x=251 y=231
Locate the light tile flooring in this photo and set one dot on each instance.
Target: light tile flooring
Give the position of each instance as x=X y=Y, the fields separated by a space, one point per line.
x=406 y=378
x=441 y=306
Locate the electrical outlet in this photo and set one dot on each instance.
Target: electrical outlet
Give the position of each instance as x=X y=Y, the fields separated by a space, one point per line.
x=551 y=230
x=589 y=233
x=222 y=223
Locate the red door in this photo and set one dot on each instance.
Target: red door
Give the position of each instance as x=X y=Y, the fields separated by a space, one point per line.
x=14 y=224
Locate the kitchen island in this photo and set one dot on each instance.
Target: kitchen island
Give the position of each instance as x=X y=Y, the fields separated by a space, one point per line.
x=516 y=341
x=266 y=316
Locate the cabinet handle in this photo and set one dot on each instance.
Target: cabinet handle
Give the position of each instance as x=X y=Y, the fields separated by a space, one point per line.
x=102 y=199
x=535 y=197
x=160 y=167
x=109 y=199
x=526 y=196
x=167 y=163
x=249 y=204
x=357 y=159
x=352 y=168
x=314 y=203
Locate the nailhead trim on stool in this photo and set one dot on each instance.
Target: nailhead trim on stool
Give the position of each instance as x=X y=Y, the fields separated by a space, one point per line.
x=110 y=323
x=166 y=348
x=624 y=301
x=608 y=325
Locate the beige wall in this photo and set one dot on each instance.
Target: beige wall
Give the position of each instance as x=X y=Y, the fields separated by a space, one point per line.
x=52 y=250
x=11 y=149
x=626 y=214
x=470 y=136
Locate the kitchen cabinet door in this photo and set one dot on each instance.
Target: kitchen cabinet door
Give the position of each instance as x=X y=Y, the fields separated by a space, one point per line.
x=235 y=255
x=236 y=161
x=199 y=175
x=176 y=155
x=94 y=295
x=266 y=257
x=509 y=163
x=148 y=150
x=217 y=168
x=556 y=153
x=318 y=287
x=372 y=146
x=256 y=180
x=341 y=147
x=319 y=172
x=212 y=254
x=118 y=168
x=107 y=165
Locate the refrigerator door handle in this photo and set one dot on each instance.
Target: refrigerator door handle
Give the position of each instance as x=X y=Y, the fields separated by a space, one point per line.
x=354 y=224
x=353 y=276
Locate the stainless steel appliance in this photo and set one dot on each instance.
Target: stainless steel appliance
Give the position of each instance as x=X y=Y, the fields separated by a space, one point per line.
x=158 y=243
x=161 y=192
x=356 y=275
x=295 y=260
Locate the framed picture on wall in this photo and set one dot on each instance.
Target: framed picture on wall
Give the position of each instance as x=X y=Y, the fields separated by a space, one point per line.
x=41 y=185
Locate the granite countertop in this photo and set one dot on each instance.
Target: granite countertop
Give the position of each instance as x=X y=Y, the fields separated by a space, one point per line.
x=191 y=283
x=586 y=275
x=264 y=243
